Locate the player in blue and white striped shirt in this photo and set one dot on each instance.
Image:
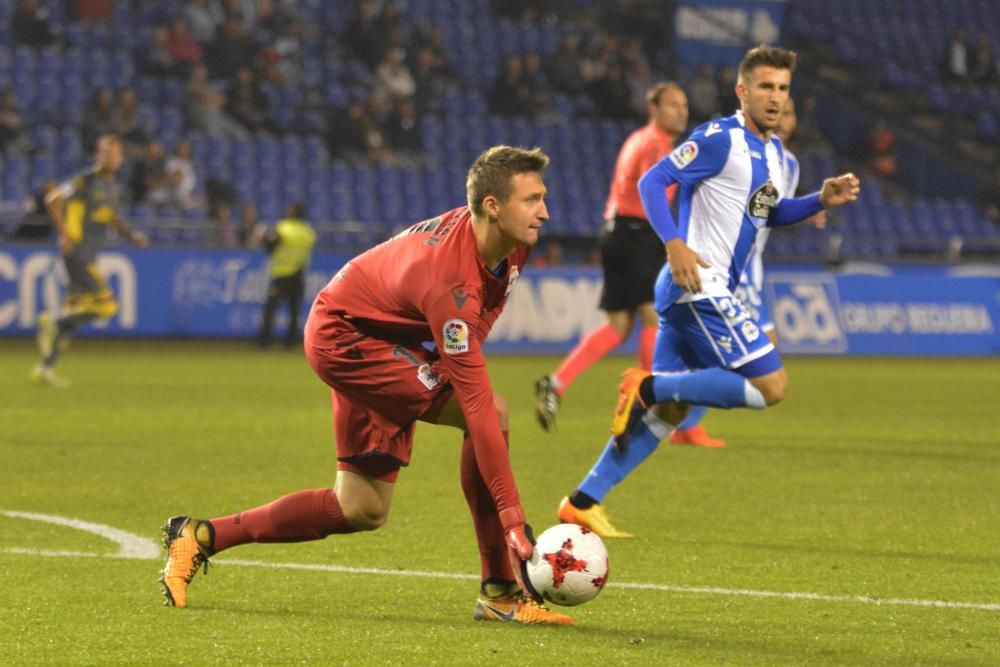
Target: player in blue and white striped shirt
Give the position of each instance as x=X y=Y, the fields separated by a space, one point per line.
x=710 y=349
x=750 y=289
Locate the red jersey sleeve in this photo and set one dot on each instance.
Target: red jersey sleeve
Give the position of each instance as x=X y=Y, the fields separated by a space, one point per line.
x=649 y=155
x=454 y=318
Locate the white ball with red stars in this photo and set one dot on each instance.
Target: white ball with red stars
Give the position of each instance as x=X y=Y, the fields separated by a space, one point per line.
x=569 y=565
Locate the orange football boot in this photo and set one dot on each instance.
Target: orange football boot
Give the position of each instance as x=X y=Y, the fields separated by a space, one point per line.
x=695 y=436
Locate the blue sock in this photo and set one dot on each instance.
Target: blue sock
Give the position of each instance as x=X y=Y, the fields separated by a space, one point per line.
x=710 y=386
x=695 y=414
x=614 y=466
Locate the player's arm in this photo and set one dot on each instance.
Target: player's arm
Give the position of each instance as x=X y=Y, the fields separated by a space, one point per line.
x=137 y=238
x=835 y=192
x=696 y=159
x=453 y=323
x=55 y=206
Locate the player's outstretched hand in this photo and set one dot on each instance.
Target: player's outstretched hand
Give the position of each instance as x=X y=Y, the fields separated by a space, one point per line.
x=520 y=546
x=684 y=264
x=839 y=190
x=818 y=221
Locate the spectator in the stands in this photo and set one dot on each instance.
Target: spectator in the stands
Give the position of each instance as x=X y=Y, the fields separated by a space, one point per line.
x=355 y=134
x=882 y=160
x=956 y=57
x=563 y=68
x=128 y=123
x=611 y=94
x=223 y=233
x=510 y=96
x=729 y=103
x=30 y=25
x=149 y=176
x=703 y=95
x=154 y=58
x=205 y=107
x=432 y=80
x=99 y=118
x=282 y=59
x=404 y=130
x=394 y=77
x=13 y=138
x=598 y=55
x=247 y=103
x=231 y=49
x=251 y=231
x=93 y=10
x=982 y=61
x=365 y=34
x=244 y=10
x=533 y=78
x=179 y=190
x=431 y=37
x=203 y=17
x=184 y=49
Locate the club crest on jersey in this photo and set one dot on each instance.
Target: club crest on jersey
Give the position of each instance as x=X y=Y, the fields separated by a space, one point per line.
x=456 y=337
x=750 y=331
x=763 y=200
x=684 y=154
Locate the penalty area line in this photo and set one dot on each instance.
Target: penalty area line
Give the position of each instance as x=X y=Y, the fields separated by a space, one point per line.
x=690 y=590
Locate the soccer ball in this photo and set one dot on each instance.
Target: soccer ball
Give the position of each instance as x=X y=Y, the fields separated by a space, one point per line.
x=569 y=565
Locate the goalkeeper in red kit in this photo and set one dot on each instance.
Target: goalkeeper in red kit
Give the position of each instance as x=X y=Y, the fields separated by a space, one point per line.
x=445 y=281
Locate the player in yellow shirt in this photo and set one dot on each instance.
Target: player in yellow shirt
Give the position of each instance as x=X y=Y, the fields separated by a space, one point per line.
x=82 y=209
x=290 y=245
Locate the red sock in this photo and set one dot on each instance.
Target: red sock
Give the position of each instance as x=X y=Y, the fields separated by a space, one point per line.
x=297 y=517
x=489 y=532
x=591 y=347
x=647 y=344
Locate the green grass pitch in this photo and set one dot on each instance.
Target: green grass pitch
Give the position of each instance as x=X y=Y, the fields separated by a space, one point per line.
x=873 y=493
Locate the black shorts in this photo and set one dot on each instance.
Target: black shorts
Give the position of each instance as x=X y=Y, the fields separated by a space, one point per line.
x=632 y=256
x=84 y=278
x=287 y=288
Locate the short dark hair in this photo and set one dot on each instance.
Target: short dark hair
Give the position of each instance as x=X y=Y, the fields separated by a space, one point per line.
x=493 y=170
x=112 y=137
x=653 y=94
x=767 y=56
x=297 y=210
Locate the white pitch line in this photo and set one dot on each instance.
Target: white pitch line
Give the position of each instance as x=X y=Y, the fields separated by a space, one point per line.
x=697 y=590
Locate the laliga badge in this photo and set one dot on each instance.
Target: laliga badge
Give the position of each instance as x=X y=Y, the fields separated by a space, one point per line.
x=456 y=337
x=684 y=154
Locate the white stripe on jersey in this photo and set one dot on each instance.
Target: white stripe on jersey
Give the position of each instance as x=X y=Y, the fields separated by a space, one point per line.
x=718 y=205
x=755 y=267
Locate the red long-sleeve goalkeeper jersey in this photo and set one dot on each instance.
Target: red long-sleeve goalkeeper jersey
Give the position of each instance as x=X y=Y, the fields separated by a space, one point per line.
x=429 y=283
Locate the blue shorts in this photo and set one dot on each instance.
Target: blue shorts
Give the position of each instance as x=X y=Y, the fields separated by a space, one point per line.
x=715 y=332
x=753 y=300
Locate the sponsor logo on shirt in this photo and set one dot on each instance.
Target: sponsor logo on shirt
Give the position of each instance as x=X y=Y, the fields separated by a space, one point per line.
x=684 y=154
x=714 y=128
x=762 y=201
x=456 y=337
x=726 y=343
x=459 y=295
x=427 y=376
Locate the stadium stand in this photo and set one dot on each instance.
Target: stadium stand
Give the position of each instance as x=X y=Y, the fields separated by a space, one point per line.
x=326 y=133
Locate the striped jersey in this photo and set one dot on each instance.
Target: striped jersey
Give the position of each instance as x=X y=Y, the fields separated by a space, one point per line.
x=730 y=182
